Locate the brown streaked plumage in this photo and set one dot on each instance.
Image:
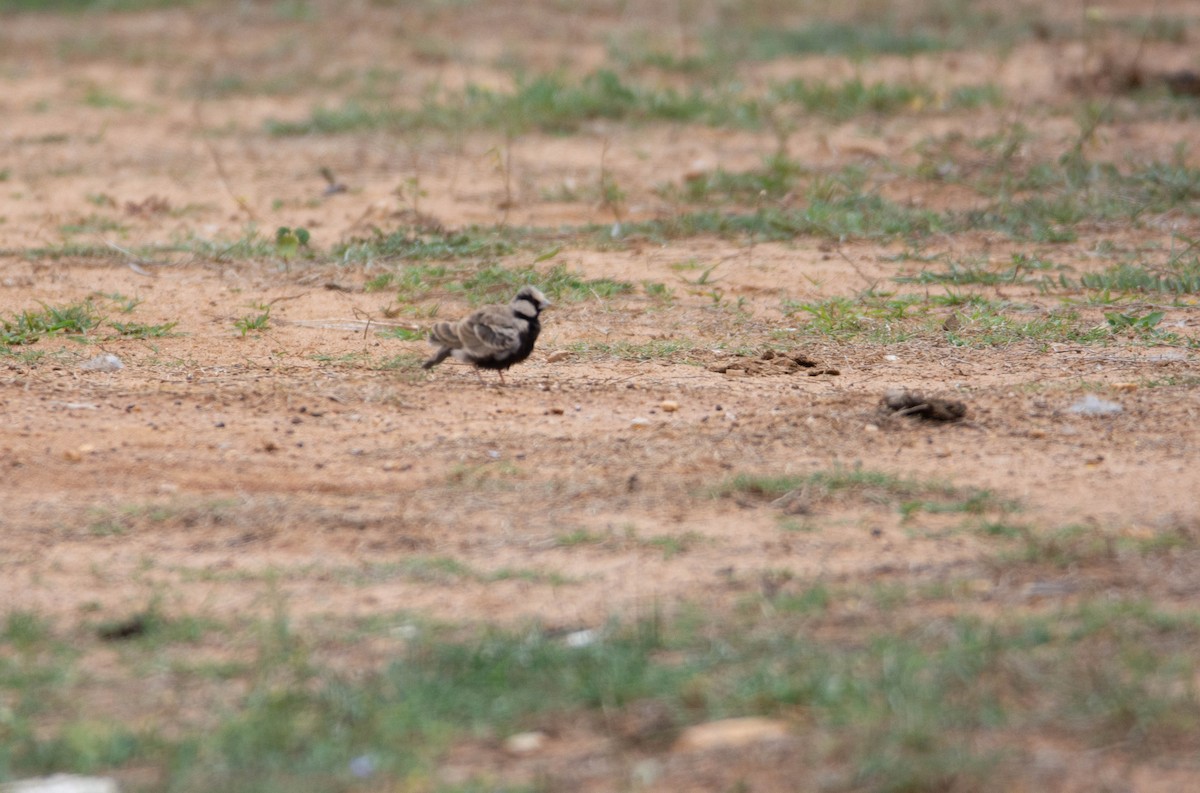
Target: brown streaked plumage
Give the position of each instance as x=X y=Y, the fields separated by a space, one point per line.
x=492 y=337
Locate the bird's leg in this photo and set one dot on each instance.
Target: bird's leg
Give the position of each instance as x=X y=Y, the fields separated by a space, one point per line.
x=501 y=373
x=480 y=376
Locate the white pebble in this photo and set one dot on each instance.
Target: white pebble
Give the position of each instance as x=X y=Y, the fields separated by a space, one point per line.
x=524 y=742
x=581 y=638
x=1092 y=405
x=106 y=362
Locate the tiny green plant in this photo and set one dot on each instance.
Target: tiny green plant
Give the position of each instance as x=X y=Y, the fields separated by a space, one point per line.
x=410 y=193
x=288 y=241
x=75 y=319
x=1140 y=324
x=124 y=304
x=379 y=282
x=257 y=322
x=140 y=330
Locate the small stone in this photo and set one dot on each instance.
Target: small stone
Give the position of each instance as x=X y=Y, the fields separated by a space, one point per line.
x=1037 y=433
x=525 y=742
x=556 y=411
x=106 y=362
x=640 y=422
x=62 y=783
x=557 y=355
x=669 y=405
x=363 y=766
x=1125 y=386
x=1092 y=405
x=871 y=428
x=72 y=455
x=581 y=638
x=731 y=734
x=696 y=171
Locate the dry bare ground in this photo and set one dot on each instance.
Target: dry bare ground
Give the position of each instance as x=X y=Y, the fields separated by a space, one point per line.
x=270 y=451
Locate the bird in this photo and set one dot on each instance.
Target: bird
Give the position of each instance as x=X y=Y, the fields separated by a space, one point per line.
x=492 y=337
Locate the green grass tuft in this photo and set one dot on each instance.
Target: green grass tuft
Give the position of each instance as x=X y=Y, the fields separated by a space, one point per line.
x=76 y=319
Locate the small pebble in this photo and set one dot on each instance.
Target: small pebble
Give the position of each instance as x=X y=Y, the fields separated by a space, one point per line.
x=669 y=405
x=363 y=766
x=62 y=783
x=582 y=638
x=640 y=422
x=524 y=742
x=106 y=362
x=1092 y=405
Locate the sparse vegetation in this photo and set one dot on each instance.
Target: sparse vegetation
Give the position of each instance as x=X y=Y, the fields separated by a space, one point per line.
x=910 y=497
x=302 y=562
x=258 y=320
x=1103 y=668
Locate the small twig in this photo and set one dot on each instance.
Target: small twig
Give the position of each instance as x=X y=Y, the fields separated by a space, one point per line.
x=135 y=262
x=358 y=314
x=285 y=297
x=870 y=284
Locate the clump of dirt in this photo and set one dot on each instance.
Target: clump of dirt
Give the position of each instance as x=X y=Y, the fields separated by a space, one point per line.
x=912 y=403
x=1111 y=77
x=771 y=362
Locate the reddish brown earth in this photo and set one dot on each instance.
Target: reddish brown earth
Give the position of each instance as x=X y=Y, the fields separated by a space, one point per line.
x=225 y=473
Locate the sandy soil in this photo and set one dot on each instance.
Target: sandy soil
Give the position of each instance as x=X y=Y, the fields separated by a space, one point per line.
x=220 y=472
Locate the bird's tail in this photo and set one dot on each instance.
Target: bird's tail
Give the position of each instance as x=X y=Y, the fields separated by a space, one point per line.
x=446 y=335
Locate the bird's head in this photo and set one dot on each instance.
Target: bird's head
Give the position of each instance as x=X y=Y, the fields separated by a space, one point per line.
x=530 y=295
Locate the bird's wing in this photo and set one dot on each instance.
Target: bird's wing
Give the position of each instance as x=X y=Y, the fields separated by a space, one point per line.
x=492 y=330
